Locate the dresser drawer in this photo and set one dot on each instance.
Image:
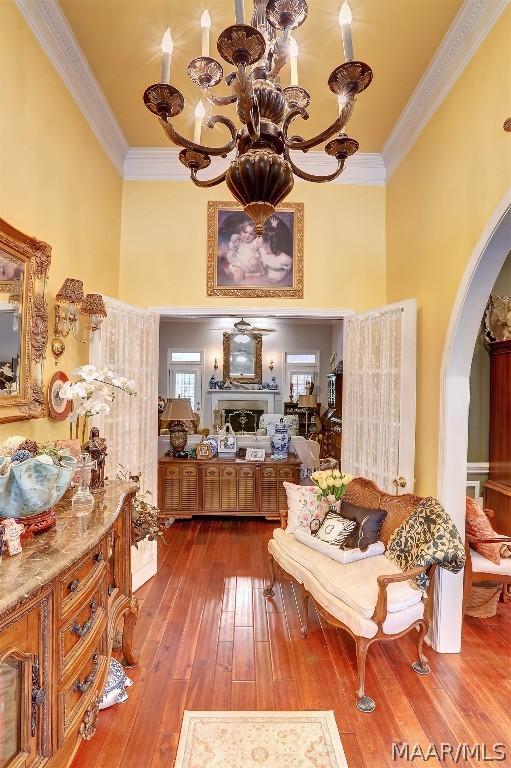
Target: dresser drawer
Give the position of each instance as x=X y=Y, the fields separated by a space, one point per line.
x=81 y=627
x=247 y=472
x=287 y=473
x=172 y=472
x=80 y=578
x=269 y=473
x=189 y=471
x=79 y=690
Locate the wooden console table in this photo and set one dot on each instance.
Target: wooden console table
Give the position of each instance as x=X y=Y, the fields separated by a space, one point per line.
x=61 y=602
x=188 y=487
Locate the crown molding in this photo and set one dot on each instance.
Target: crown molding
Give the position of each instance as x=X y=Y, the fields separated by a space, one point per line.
x=162 y=164
x=471 y=25
x=49 y=25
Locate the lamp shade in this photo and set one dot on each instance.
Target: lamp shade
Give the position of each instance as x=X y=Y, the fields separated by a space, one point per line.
x=177 y=409
x=93 y=304
x=307 y=401
x=71 y=291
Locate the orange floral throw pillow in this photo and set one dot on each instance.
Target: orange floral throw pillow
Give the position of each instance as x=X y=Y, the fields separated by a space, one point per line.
x=479 y=526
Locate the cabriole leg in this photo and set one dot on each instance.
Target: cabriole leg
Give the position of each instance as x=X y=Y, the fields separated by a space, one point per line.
x=364 y=703
x=421 y=666
x=268 y=591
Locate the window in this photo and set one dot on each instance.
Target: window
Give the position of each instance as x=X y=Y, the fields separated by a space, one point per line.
x=185 y=385
x=308 y=358
x=185 y=376
x=302 y=368
x=185 y=356
x=300 y=382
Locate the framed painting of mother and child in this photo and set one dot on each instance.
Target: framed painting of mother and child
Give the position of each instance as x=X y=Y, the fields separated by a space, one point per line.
x=241 y=263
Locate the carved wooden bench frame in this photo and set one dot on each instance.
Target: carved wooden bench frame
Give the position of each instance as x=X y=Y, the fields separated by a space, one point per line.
x=364 y=703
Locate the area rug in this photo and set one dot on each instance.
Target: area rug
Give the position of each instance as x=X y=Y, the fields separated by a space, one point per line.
x=259 y=740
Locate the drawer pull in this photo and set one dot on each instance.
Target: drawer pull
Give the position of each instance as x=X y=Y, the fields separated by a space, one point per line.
x=82 y=686
x=73 y=585
x=38 y=695
x=98 y=557
x=81 y=631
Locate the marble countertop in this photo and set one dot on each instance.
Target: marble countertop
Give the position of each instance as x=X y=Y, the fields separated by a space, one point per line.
x=51 y=552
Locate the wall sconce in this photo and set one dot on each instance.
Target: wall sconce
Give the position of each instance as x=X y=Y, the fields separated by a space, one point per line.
x=271 y=366
x=70 y=303
x=215 y=364
x=94 y=308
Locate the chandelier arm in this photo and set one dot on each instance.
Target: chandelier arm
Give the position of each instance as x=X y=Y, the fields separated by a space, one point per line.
x=311 y=177
x=304 y=145
x=176 y=137
x=207 y=182
x=219 y=101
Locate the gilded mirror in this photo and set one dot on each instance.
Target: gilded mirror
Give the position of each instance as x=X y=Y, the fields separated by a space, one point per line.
x=243 y=358
x=24 y=264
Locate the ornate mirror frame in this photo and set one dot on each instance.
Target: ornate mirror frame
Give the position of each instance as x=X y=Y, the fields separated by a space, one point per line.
x=257 y=378
x=35 y=256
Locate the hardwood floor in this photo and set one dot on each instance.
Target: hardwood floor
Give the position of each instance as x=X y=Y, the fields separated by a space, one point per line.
x=209 y=640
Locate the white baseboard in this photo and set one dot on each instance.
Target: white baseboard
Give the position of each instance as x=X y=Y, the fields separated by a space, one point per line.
x=478 y=467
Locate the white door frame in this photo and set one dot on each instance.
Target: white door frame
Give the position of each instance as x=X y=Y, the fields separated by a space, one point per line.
x=478 y=280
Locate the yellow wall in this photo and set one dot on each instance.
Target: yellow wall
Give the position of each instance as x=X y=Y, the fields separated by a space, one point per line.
x=164 y=246
x=438 y=202
x=56 y=183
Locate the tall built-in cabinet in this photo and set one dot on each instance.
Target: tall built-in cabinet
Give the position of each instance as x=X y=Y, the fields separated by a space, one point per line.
x=497 y=491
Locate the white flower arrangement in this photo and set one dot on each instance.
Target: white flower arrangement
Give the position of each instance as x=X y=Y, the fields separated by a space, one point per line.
x=94 y=391
x=332 y=484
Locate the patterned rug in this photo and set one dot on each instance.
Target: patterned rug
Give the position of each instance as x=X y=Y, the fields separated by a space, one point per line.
x=259 y=740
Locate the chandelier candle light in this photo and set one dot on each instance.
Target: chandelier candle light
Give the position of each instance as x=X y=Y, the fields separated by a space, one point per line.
x=261 y=174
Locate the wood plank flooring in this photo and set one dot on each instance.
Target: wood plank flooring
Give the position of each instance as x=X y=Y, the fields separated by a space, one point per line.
x=209 y=640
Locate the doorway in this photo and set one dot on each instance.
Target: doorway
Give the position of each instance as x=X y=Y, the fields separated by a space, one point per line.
x=482 y=270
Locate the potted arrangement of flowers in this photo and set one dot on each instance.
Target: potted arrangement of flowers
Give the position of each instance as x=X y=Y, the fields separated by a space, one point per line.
x=332 y=485
x=93 y=393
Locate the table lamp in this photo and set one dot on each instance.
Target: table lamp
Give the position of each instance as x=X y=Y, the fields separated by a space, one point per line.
x=308 y=403
x=176 y=412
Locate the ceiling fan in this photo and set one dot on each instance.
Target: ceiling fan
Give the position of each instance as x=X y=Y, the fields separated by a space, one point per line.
x=244 y=330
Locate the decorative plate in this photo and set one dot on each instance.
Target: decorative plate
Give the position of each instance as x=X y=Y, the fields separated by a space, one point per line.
x=58 y=409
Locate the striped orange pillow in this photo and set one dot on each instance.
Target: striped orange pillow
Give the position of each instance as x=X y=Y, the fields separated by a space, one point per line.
x=479 y=526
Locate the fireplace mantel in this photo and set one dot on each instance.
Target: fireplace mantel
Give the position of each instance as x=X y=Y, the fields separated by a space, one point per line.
x=268 y=399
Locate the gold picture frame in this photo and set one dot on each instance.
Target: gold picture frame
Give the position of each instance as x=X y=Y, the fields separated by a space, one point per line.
x=28 y=402
x=203 y=451
x=229 y=375
x=273 y=268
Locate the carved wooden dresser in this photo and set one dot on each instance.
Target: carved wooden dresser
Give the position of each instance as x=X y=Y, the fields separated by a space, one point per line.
x=61 y=603
x=188 y=487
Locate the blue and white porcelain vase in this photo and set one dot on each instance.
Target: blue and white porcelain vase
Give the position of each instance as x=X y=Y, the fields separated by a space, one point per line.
x=280 y=442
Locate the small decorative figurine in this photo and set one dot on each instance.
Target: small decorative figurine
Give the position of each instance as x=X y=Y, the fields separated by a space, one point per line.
x=227 y=442
x=96 y=448
x=13 y=531
x=291 y=388
x=280 y=442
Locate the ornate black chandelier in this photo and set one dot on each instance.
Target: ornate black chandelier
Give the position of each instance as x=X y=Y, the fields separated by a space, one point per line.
x=262 y=173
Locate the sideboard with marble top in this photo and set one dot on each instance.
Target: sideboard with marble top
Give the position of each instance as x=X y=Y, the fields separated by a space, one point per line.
x=61 y=603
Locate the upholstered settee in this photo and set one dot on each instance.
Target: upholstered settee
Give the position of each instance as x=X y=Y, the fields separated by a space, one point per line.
x=372 y=599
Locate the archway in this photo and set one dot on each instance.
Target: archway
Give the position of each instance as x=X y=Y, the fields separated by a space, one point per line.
x=482 y=270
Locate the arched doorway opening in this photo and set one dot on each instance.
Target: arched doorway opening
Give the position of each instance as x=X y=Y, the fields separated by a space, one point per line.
x=482 y=270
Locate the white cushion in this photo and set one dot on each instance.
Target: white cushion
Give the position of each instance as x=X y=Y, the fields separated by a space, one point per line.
x=359 y=625
x=343 y=556
x=481 y=565
x=354 y=583
x=303 y=505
